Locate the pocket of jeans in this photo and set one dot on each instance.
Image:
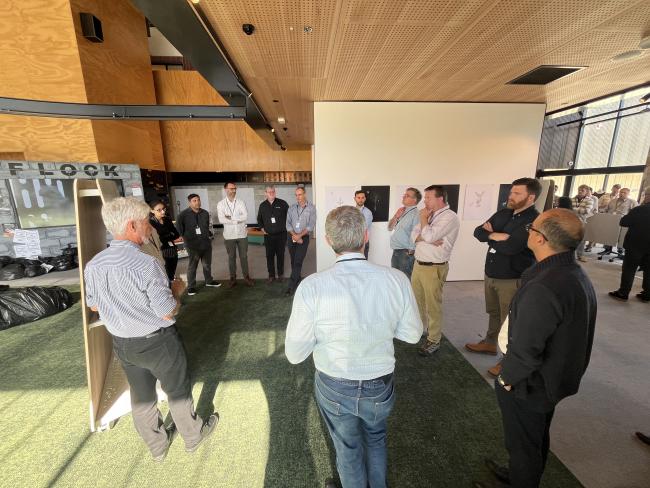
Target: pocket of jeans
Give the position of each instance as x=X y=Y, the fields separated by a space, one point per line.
x=383 y=409
x=330 y=406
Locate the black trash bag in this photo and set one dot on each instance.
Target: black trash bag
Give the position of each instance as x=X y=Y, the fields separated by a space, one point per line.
x=27 y=262
x=32 y=270
x=12 y=272
x=5 y=260
x=23 y=305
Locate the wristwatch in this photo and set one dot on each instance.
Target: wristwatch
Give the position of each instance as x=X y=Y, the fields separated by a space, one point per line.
x=500 y=381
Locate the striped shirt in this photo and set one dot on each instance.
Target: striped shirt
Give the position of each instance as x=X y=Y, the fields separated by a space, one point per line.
x=348 y=316
x=129 y=289
x=301 y=218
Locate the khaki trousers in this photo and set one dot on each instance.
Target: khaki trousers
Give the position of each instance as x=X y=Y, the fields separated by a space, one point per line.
x=498 y=295
x=427 y=282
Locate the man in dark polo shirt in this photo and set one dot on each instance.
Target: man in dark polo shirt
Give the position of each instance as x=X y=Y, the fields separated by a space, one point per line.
x=195 y=226
x=507 y=257
x=272 y=219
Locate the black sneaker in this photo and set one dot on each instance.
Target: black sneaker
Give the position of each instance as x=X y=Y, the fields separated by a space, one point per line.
x=616 y=295
x=191 y=291
x=213 y=284
x=642 y=297
x=171 y=433
x=428 y=348
x=206 y=430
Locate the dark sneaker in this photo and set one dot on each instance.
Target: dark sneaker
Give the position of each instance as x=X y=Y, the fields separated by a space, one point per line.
x=206 y=430
x=213 y=284
x=171 y=433
x=191 y=291
x=642 y=297
x=288 y=293
x=428 y=348
x=618 y=296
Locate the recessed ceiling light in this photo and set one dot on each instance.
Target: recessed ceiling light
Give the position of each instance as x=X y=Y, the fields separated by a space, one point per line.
x=645 y=43
x=307 y=29
x=634 y=53
x=281 y=120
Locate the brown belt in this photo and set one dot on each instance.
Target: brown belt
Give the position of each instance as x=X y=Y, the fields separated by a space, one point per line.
x=424 y=263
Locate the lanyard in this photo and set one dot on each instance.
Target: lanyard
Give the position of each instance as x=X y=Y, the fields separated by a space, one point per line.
x=232 y=210
x=404 y=215
x=299 y=212
x=351 y=259
x=433 y=217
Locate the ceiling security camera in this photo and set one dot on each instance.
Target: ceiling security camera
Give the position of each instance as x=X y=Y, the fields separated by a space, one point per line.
x=248 y=29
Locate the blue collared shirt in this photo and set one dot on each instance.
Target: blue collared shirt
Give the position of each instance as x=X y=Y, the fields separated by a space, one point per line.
x=348 y=316
x=367 y=214
x=301 y=218
x=129 y=289
x=401 y=237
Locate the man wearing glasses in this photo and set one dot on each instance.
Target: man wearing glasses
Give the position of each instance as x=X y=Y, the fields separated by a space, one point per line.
x=550 y=335
x=507 y=257
x=402 y=224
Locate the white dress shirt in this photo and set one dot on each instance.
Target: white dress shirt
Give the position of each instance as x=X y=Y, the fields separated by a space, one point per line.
x=235 y=227
x=443 y=224
x=348 y=316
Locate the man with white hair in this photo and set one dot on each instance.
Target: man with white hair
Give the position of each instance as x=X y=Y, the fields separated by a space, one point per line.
x=348 y=316
x=131 y=292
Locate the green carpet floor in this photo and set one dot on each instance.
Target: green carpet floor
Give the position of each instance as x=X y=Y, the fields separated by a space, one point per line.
x=445 y=422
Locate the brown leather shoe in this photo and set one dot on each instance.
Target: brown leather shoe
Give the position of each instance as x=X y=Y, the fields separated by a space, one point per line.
x=248 y=281
x=482 y=348
x=280 y=279
x=270 y=280
x=495 y=370
x=232 y=283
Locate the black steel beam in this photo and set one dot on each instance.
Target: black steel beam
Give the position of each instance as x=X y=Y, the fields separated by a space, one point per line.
x=17 y=106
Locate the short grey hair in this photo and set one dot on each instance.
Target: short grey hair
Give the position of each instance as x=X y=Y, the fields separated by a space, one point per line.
x=118 y=212
x=563 y=229
x=270 y=187
x=345 y=227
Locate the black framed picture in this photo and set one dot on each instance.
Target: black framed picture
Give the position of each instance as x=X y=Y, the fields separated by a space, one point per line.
x=504 y=193
x=452 y=195
x=377 y=201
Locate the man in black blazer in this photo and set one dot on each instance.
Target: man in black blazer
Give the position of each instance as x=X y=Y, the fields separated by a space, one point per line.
x=550 y=334
x=637 y=251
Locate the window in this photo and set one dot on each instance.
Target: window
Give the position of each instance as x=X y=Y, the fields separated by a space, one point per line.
x=43 y=203
x=594 y=181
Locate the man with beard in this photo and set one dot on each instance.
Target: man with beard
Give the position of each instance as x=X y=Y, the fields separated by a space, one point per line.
x=507 y=257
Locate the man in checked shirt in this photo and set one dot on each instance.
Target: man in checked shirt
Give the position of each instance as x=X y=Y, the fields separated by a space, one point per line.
x=130 y=291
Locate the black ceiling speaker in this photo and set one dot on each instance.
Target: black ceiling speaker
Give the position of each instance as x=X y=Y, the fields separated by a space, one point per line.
x=91 y=27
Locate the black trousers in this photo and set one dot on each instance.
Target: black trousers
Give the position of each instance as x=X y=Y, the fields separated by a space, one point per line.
x=631 y=262
x=275 y=248
x=527 y=440
x=297 y=252
x=159 y=356
x=170 y=267
x=196 y=255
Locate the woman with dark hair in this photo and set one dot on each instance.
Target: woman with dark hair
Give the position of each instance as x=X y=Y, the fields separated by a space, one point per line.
x=565 y=202
x=168 y=234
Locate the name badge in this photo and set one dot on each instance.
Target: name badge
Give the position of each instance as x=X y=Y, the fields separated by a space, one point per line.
x=492 y=251
x=297 y=226
x=171 y=244
x=273 y=220
x=198 y=231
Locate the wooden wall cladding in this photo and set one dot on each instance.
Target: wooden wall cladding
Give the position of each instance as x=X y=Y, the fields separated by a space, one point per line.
x=215 y=146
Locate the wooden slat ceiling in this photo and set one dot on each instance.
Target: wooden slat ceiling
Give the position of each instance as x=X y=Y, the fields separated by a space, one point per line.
x=426 y=50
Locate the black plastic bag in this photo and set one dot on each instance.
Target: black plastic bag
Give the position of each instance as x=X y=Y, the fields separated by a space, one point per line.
x=22 y=305
x=5 y=260
x=32 y=270
x=12 y=272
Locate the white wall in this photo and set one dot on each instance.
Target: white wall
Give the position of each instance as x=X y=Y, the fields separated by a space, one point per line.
x=419 y=144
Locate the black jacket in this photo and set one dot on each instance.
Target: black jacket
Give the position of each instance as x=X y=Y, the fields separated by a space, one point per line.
x=508 y=259
x=550 y=332
x=278 y=211
x=188 y=221
x=638 y=233
x=166 y=231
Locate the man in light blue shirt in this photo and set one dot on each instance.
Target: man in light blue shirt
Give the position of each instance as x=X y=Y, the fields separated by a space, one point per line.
x=360 y=199
x=402 y=224
x=347 y=317
x=301 y=220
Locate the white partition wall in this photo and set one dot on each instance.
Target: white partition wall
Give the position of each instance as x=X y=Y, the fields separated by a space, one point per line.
x=420 y=144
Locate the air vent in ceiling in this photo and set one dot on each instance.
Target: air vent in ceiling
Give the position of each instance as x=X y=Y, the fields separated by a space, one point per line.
x=544 y=74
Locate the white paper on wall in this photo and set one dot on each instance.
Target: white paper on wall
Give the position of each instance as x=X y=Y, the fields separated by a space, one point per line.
x=335 y=196
x=27 y=243
x=478 y=202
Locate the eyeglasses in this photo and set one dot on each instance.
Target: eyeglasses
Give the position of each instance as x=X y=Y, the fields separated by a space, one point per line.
x=530 y=227
x=159 y=209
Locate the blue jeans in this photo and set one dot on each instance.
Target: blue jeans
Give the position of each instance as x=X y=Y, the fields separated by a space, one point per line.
x=356 y=413
x=403 y=261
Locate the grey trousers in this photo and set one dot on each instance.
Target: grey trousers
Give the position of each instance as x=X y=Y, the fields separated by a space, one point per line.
x=232 y=246
x=160 y=356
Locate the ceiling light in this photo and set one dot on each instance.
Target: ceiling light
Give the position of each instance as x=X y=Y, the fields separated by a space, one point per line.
x=196 y=2
x=645 y=98
x=634 y=53
x=645 y=43
x=281 y=120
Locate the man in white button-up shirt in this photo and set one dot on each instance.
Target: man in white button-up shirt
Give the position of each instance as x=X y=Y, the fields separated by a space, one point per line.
x=434 y=239
x=233 y=215
x=348 y=316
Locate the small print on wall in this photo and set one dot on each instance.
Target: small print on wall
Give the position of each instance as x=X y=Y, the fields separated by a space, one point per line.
x=478 y=202
x=377 y=201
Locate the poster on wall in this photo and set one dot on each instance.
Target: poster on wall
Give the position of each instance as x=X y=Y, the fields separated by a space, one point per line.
x=43 y=202
x=504 y=193
x=478 y=202
x=377 y=201
x=335 y=196
x=27 y=243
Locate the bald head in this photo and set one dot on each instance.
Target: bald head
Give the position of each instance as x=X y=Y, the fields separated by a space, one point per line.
x=561 y=227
